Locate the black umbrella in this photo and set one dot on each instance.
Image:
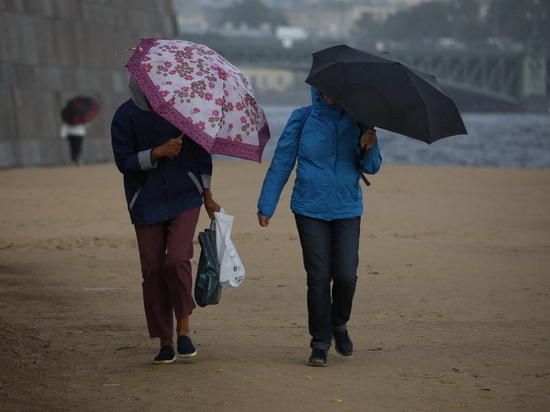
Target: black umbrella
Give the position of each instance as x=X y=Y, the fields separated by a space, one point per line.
x=81 y=109
x=378 y=89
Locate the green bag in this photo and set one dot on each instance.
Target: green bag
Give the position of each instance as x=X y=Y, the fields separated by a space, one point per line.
x=207 y=284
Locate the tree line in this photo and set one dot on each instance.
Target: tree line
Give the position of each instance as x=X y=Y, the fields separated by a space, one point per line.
x=464 y=20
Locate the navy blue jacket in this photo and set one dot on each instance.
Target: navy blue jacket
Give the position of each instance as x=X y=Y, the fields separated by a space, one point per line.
x=159 y=191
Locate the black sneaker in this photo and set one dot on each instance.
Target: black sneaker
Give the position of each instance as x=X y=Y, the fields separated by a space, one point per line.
x=185 y=347
x=318 y=358
x=343 y=343
x=166 y=355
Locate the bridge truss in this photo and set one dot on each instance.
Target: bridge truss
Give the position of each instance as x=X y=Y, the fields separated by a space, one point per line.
x=508 y=77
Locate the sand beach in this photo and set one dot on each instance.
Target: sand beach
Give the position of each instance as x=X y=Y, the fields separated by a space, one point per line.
x=452 y=310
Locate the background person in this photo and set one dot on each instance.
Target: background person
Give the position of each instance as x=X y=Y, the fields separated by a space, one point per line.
x=74 y=133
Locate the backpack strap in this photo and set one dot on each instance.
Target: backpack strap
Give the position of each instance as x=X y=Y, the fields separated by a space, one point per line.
x=305 y=114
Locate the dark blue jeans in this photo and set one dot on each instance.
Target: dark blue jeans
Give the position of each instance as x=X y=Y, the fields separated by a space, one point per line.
x=330 y=250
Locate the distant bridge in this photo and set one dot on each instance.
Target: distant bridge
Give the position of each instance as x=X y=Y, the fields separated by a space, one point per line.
x=517 y=79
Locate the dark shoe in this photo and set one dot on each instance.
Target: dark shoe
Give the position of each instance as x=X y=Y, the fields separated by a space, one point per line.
x=318 y=358
x=166 y=355
x=185 y=347
x=343 y=344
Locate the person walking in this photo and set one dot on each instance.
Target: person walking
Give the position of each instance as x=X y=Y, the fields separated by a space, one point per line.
x=331 y=151
x=75 y=134
x=167 y=178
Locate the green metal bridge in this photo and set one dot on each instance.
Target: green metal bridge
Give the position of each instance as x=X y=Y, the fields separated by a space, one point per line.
x=519 y=80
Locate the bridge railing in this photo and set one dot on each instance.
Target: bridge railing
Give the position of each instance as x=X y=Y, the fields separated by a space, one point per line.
x=495 y=75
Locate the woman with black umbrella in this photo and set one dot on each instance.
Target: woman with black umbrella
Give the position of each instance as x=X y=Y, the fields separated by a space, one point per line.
x=331 y=151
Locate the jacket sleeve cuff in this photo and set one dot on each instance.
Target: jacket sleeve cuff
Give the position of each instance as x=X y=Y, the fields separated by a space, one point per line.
x=144 y=159
x=368 y=155
x=206 y=181
x=265 y=212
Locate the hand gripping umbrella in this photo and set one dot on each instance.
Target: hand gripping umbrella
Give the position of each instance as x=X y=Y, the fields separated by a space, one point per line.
x=378 y=89
x=202 y=94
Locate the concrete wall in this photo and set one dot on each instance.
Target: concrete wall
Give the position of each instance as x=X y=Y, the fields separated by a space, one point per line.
x=53 y=50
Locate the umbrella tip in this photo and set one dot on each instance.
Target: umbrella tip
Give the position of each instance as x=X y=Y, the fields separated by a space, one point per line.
x=134 y=49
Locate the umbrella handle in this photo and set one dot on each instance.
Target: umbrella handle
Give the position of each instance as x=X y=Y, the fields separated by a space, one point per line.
x=361 y=156
x=363 y=151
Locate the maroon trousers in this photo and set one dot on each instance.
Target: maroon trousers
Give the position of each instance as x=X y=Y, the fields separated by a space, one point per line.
x=165 y=251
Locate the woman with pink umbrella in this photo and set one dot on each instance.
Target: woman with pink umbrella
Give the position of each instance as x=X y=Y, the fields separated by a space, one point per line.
x=167 y=178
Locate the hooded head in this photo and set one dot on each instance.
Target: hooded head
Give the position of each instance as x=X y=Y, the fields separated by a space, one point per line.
x=322 y=104
x=137 y=95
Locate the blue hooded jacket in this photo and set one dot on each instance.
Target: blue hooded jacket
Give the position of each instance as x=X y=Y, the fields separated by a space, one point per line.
x=159 y=191
x=327 y=183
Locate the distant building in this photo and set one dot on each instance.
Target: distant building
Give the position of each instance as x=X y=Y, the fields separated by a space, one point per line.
x=190 y=15
x=269 y=80
x=288 y=35
x=321 y=18
x=308 y=19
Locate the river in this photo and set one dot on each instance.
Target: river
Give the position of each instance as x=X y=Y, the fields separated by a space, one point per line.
x=512 y=140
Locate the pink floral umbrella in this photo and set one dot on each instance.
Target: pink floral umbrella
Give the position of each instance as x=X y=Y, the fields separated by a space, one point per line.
x=203 y=95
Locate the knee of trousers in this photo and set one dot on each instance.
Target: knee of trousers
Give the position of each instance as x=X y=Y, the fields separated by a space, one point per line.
x=346 y=282
x=318 y=281
x=178 y=260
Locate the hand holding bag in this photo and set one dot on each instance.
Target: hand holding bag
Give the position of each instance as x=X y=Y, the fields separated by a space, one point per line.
x=207 y=284
x=232 y=271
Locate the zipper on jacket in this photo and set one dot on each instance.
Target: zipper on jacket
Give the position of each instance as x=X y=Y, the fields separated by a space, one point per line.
x=161 y=167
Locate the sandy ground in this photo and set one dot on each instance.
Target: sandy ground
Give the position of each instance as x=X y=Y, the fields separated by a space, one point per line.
x=452 y=309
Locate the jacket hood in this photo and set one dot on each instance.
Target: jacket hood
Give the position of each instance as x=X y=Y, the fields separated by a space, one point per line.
x=332 y=110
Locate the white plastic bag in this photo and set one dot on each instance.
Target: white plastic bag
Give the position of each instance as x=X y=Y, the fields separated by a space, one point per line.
x=231 y=268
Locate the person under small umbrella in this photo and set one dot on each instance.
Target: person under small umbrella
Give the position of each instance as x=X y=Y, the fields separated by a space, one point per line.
x=76 y=115
x=167 y=179
x=75 y=134
x=331 y=150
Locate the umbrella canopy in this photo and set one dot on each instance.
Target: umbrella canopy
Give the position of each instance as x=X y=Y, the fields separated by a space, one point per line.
x=378 y=89
x=81 y=109
x=203 y=95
